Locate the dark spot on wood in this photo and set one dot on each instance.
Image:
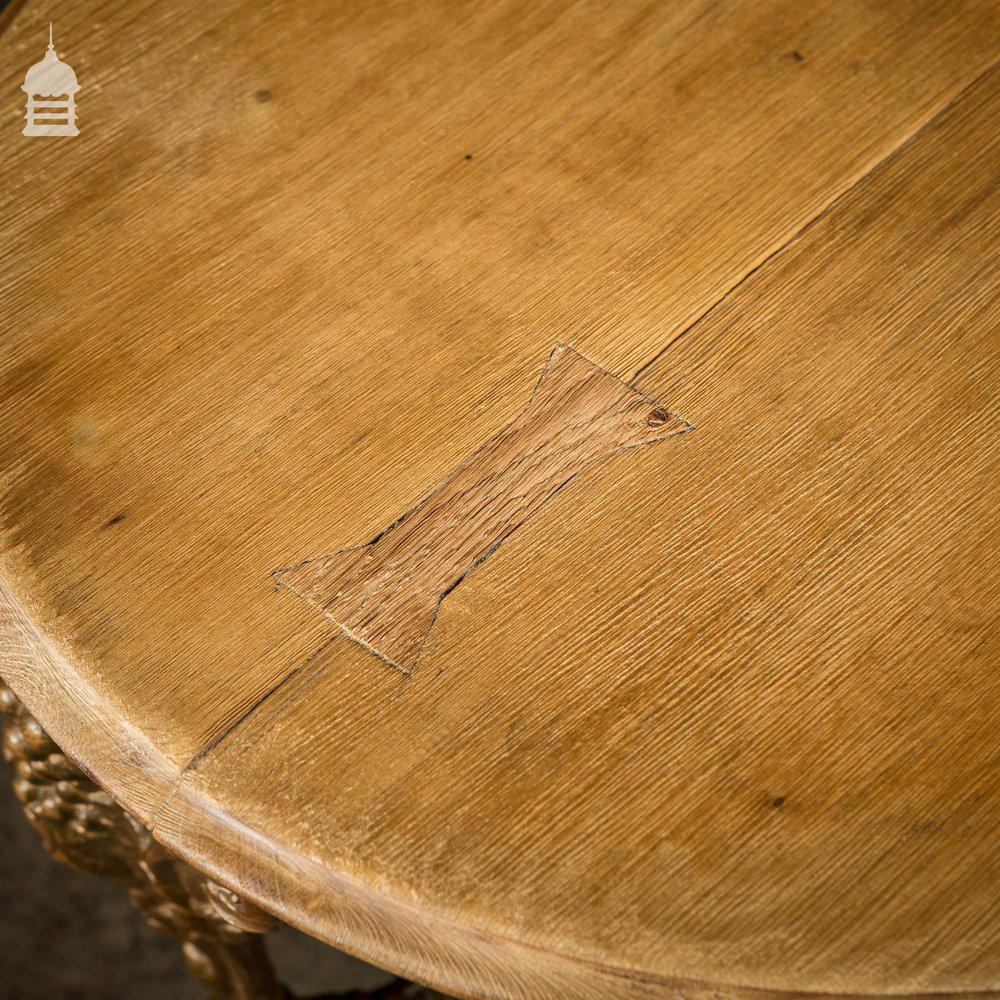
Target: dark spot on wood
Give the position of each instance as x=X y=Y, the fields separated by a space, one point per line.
x=262 y=96
x=796 y=55
x=778 y=802
x=117 y=519
x=468 y=156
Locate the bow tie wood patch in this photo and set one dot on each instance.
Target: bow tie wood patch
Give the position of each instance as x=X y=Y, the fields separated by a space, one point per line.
x=385 y=595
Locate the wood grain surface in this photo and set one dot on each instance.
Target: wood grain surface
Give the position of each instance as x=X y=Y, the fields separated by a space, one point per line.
x=720 y=719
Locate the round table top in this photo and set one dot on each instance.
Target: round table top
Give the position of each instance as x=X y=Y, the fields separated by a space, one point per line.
x=511 y=488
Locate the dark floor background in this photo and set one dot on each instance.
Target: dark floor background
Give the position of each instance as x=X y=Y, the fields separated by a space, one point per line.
x=65 y=935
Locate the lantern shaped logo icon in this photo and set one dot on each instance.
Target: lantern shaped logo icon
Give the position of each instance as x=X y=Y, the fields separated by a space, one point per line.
x=51 y=78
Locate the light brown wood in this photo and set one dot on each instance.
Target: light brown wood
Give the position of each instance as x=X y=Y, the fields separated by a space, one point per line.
x=386 y=594
x=720 y=718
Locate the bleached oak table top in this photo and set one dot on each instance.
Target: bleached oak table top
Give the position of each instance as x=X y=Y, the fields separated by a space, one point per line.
x=673 y=670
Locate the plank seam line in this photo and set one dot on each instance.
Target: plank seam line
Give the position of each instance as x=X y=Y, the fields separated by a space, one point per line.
x=857 y=183
x=313 y=660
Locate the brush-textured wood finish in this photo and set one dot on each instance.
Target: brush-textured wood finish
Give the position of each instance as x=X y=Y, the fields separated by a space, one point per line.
x=720 y=718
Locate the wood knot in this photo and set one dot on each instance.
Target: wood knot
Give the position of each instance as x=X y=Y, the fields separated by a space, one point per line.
x=659 y=417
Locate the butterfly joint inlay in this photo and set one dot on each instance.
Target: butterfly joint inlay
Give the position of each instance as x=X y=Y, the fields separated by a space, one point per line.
x=385 y=595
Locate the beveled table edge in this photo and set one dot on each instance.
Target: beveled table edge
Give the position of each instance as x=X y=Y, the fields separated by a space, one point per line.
x=388 y=932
